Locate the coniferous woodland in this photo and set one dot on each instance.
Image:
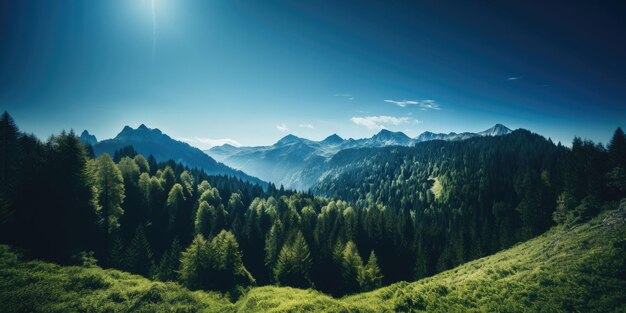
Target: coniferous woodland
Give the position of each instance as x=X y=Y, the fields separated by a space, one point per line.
x=416 y=210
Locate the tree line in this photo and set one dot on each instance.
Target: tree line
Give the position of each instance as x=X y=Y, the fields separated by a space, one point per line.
x=165 y=221
x=413 y=212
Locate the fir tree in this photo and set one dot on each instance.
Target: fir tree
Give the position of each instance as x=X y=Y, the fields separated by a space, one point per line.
x=351 y=264
x=293 y=265
x=195 y=263
x=139 y=258
x=370 y=276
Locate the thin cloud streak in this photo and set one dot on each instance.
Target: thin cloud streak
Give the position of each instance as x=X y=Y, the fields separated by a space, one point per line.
x=424 y=105
x=344 y=95
x=379 y=122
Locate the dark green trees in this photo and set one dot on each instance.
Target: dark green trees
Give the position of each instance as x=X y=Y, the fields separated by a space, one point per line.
x=228 y=269
x=370 y=276
x=109 y=185
x=216 y=265
x=293 y=265
x=422 y=209
x=170 y=262
x=139 y=258
x=175 y=202
x=274 y=243
x=351 y=264
x=205 y=219
x=9 y=153
x=617 y=168
x=564 y=213
x=195 y=264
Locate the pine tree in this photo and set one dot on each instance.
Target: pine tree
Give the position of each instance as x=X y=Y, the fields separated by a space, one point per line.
x=168 y=178
x=617 y=148
x=203 y=186
x=170 y=262
x=144 y=167
x=117 y=257
x=370 y=276
x=174 y=203
x=110 y=187
x=139 y=258
x=617 y=172
x=235 y=203
x=351 y=263
x=227 y=263
x=133 y=200
x=273 y=244
x=564 y=209
x=195 y=263
x=186 y=180
x=9 y=150
x=69 y=188
x=205 y=218
x=294 y=263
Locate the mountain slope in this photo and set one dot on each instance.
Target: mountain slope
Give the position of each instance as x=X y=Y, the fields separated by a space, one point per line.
x=577 y=269
x=88 y=138
x=148 y=141
x=285 y=161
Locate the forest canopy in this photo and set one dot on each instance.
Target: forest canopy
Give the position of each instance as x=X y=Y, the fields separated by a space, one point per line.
x=414 y=212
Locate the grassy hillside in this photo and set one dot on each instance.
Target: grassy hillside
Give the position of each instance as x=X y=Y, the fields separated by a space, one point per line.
x=43 y=287
x=579 y=269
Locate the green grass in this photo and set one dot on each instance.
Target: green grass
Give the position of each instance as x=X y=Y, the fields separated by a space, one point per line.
x=579 y=269
x=43 y=287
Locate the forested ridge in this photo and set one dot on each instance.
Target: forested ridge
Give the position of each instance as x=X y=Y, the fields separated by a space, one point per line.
x=396 y=213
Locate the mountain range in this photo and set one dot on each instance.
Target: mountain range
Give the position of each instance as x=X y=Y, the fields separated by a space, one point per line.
x=148 y=141
x=286 y=161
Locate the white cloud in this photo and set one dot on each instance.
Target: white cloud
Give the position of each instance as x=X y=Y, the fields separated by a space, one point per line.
x=379 y=122
x=513 y=78
x=282 y=127
x=429 y=105
x=207 y=143
x=402 y=103
x=306 y=126
x=344 y=95
x=422 y=104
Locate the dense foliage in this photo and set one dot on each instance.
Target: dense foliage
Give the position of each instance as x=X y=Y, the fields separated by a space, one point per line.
x=569 y=269
x=445 y=203
x=412 y=212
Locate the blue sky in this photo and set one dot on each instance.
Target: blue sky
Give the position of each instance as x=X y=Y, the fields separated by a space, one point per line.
x=252 y=71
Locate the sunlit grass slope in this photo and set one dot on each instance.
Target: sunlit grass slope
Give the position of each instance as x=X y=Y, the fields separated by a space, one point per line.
x=43 y=287
x=579 y=269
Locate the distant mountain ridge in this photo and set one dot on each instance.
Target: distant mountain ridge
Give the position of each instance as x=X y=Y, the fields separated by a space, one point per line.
x=151 y=141
x=286 y=160
x=88 y=138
